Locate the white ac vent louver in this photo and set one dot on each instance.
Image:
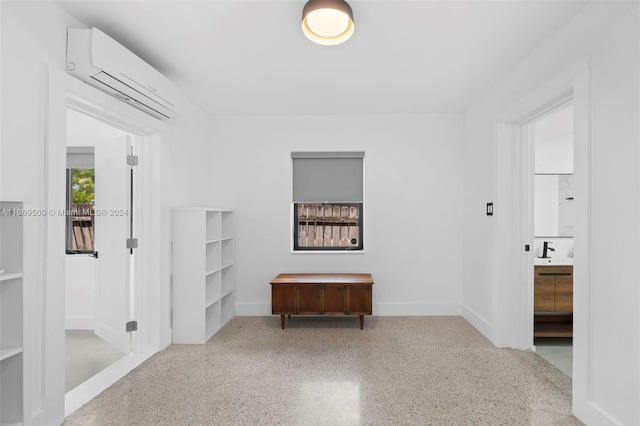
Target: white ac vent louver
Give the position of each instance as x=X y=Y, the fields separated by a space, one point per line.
x=99 y=60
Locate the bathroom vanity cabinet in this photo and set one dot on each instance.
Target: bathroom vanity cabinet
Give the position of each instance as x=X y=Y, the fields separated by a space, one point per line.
x=553 y=301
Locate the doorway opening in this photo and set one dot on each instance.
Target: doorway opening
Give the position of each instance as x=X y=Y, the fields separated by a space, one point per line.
x=551 y=135
x=100 y=263
x=514 y=188
x=147 y=133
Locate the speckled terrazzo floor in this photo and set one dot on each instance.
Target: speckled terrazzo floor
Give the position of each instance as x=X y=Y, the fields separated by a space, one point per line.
x=326 y=371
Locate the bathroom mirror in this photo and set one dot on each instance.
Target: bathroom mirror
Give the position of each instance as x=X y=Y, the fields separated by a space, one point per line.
x=553 y=216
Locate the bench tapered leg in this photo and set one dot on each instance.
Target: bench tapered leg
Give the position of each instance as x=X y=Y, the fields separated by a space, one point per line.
x=361 y=322
x=282 y=321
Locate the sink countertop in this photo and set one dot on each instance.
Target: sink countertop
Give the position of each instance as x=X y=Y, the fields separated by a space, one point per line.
x=568 y=261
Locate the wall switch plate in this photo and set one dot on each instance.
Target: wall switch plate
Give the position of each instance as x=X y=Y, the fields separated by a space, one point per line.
x=489 y=209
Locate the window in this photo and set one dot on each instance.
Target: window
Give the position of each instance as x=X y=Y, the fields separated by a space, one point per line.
x=80 y=223
x=328 y=201
x=328 y=226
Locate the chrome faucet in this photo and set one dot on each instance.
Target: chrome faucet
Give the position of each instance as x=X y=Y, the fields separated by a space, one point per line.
x=545 y=249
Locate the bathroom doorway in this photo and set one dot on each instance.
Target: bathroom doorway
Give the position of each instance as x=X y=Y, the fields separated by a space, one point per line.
x=551 y=134
x=513 y=223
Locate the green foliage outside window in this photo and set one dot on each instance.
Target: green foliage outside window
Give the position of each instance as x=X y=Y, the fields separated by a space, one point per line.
x=83 y=183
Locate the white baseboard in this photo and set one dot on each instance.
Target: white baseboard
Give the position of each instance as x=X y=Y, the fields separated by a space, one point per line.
x=380 y=309
x=80 y=323
x=417 y=309
x=253 y=309
x=479 y=322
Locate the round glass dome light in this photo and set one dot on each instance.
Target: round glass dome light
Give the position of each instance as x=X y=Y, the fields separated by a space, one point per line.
x=327 y=22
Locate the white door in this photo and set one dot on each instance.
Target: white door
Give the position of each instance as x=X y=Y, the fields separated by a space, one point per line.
x=112 y=198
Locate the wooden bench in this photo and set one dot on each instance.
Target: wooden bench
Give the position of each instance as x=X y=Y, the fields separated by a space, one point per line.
x=322 y=294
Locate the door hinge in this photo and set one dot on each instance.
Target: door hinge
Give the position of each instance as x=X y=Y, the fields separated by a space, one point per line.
x=132 y=243
x=132 y=160
x=132 y=326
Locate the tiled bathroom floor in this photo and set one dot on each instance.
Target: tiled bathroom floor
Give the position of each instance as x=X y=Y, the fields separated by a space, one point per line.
x=558 y=351
x=86 y=355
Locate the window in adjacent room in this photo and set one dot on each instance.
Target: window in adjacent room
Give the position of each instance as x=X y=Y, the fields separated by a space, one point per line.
x=80 y=223
x=328 y=201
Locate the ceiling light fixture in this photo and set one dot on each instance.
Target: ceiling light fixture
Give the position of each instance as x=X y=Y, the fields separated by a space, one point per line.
x=327 y=22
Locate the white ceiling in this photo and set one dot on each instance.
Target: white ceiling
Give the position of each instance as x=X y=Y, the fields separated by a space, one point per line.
x=250 y=57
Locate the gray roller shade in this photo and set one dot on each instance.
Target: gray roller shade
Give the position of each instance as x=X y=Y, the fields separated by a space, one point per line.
x=80 y=157
x=328 y=176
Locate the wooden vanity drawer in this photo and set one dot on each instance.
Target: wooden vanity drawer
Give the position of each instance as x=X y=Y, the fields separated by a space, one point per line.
x=554 y=271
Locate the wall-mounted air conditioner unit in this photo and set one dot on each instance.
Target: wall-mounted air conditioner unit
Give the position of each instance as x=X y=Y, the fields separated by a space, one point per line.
x=99 y=60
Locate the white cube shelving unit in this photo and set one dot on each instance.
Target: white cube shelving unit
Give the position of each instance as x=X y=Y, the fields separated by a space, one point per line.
x=11 y=315
x=203 y=273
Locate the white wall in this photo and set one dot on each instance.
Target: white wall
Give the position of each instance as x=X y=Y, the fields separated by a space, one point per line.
x=546 y=205
x=33 y=54
x=616 y=220
x=563 y=247
x=607 y=33
x=83 y=130
x=413 y=203
x=554 y=142
x=33 y=37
